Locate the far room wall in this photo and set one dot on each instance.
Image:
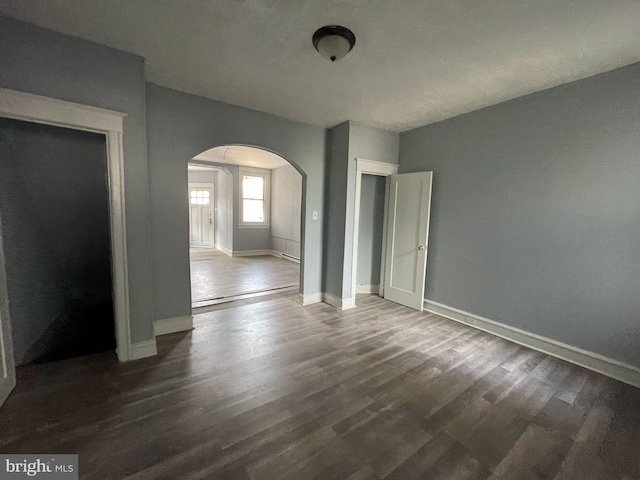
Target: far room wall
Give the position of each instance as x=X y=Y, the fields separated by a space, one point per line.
x=42 y=62
x=283 y=233
x=181 y=126
x=535 y=218
x=286 y=208
x=347 y=142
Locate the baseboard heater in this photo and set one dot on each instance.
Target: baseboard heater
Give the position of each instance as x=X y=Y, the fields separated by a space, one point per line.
x=291 y=258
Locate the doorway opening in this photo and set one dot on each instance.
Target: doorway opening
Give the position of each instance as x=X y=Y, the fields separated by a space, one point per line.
x=245 y=225
x=370 y=234
x=56 y=240
x=370 y=227
x=406 y=211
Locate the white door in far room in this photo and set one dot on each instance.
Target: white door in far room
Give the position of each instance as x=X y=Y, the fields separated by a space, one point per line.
x=407 y=236
x=201 y=216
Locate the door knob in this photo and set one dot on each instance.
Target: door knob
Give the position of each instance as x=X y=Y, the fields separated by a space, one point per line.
x=421 y=247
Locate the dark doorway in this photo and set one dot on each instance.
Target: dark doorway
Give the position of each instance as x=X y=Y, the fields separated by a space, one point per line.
x=54 y=211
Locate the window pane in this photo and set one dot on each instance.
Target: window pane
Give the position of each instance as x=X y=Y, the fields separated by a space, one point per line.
x=252 y=187
x=253 y=211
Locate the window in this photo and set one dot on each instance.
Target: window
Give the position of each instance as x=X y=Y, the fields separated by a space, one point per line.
x=254 y=198
x=200 y=197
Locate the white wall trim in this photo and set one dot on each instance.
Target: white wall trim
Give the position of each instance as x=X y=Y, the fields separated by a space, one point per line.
x=173 y=325
x=224 y=250
x=50 y=111
x=382 y=169
x=368 y=289
x=250 y=253
x=341 y=303
x=374 y=167
x=309 y=298
x=143 y=349
x=593 y=361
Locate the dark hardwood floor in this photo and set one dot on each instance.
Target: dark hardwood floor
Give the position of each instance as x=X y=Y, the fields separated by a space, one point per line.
x=272 y=390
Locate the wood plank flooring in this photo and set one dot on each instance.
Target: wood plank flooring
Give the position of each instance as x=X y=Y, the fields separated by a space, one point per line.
x=215 y=275
x=272 y=390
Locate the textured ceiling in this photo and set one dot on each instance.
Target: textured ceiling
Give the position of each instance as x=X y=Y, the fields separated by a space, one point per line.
x=415 y=61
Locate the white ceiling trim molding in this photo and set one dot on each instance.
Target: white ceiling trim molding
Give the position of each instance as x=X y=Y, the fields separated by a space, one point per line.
x=210 y=166
x=51 y=111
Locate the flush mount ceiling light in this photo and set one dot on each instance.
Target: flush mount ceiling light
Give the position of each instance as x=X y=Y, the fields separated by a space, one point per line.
x=333 y=41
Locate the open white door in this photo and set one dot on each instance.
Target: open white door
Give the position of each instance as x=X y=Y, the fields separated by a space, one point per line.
x=407 y=236
x=7 y=365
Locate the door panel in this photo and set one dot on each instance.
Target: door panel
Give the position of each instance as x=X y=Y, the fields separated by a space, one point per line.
x=407 y=237
x=204 y=221
x=200 y=216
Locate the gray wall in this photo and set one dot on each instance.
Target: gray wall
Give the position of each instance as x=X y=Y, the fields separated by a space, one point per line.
x=348 y=141
x=286 y=205
x=46 y=63
x=335 y=207
x=179 y=127
x=536 y=212
x=200 y=176
x=55 y=223
x=370 y=230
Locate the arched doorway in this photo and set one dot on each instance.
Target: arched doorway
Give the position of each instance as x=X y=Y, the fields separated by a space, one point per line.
x=245 y=224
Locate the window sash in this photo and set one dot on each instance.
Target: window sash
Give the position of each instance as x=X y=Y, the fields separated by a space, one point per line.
x=254 y=197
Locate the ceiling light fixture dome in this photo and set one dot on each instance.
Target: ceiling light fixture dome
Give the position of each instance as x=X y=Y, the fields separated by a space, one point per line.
x=333 y=41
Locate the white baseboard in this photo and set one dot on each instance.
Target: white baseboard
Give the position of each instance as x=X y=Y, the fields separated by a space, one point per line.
x=173 y=325
x=342 y=304
x=348 y=303
x=593 y=361
x=254 y=253
x=250 y=253
x=368 y=289
x=309 y=298
x=224 y=250
x=143 y=349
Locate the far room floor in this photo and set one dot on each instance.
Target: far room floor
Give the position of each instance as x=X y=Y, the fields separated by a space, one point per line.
x=216 y=276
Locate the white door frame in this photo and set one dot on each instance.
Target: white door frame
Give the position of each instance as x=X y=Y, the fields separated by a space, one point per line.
x=381 y=169
x=212 y=205
x=50 y=111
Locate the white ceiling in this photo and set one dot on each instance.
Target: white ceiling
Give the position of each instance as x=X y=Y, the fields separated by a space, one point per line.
x=415 y=61
x=239 y=155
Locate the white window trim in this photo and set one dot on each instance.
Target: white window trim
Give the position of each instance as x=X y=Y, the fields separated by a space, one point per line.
x=255 y=172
